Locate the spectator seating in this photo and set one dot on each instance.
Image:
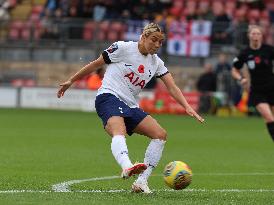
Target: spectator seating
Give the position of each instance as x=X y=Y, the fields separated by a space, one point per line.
x=89 y=28
x=110 y=29
x=16 y=29
x=103 y=30
x=116 y=31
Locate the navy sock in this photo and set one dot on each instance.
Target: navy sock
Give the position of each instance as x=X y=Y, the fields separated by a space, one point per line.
x=270 y=128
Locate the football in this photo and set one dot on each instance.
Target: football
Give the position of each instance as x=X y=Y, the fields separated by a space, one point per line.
x=177 y=175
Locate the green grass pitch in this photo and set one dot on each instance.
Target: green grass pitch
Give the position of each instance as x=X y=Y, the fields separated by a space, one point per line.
x=232 y=160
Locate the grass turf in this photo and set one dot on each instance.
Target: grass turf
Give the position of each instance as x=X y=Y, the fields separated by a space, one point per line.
x=231 y=158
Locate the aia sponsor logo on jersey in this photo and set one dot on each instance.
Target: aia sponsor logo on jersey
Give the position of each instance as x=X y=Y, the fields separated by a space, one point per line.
x=112 y=48
x=135 y=80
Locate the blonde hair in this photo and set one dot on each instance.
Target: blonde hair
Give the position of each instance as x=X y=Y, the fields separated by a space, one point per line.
x=151 y=28
x=251 y=27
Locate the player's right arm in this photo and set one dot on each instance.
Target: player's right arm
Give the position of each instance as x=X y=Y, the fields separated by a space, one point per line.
x=236 y=74
x=89 y=68
x=238 y=63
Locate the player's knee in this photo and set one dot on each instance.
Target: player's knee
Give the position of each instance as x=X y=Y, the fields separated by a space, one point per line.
x=162 y=134
x=115 y=128
x=269 y=118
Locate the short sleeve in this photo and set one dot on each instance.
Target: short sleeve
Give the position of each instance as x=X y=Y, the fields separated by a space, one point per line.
x=161 y=69
x=239 y=61
x=114 y=53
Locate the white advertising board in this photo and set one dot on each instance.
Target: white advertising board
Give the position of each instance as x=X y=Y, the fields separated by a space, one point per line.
x=8 y=97
x=74 y=99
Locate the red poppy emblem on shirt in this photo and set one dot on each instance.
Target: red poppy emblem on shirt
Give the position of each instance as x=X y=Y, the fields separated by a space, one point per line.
x=257 y=60
x=141 y=69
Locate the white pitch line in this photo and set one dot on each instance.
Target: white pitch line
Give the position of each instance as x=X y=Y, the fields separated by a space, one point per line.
x=64 y=186
x=235 y=174
x=23 y=191
x=185 y=190
x=128 y=191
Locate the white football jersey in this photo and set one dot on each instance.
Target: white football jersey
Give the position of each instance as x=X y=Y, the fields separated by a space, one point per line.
x=128 y=71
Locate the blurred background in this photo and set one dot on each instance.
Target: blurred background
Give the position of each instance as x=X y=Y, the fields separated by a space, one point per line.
x=43 y=42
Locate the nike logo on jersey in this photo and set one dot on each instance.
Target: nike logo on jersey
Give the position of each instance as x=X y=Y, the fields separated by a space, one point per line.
x=137 y=81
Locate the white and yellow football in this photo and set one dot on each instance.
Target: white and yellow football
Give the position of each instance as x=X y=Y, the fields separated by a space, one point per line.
x=177 y=175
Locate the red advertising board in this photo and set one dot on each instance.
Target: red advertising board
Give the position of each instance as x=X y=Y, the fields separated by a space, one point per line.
x=163 y=102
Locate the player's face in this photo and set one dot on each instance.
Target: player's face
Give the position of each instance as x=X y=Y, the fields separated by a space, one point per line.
x=255 y=36
x=153 y=42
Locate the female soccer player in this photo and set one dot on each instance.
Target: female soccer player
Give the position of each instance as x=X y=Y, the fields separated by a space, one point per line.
x=259 y=59
x=130 y=66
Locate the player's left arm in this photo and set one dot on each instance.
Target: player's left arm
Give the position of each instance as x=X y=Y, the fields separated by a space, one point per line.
x=177 y=94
